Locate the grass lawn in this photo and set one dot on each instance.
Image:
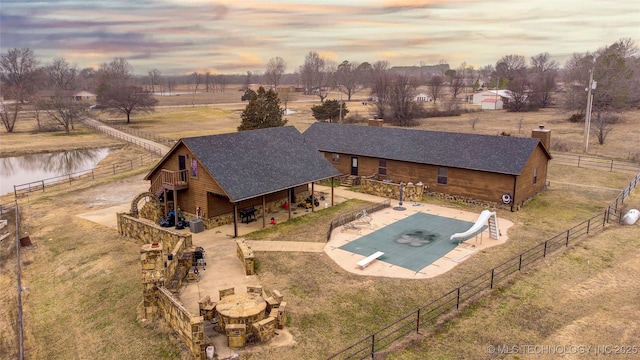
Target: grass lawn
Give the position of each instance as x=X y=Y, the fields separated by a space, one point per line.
x=84 y=293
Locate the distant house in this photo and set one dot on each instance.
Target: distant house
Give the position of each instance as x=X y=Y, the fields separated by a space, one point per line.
x=77 y=95
x=422 y=97
x=492 y=104
x=503 y=95
x=219 y=176
x=491 y=168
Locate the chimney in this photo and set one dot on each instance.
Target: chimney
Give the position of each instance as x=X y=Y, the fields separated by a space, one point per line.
x=375 y=122
x=544 y=135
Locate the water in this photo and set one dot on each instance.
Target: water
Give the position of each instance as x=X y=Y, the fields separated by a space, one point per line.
x=25 y=169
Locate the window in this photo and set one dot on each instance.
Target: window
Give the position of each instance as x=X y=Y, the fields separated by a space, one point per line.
x=382 y=167
x=194 y=168
x=335 y=157
x=442 y=176
x=535 y=176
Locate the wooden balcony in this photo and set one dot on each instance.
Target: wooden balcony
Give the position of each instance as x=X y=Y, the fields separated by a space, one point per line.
x=170 y=180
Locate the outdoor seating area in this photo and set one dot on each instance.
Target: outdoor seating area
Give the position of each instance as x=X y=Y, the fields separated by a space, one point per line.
x=248 y=215
x=246 y=317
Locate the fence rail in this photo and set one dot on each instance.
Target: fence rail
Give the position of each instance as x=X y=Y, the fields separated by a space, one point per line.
x=89 y=174
x=428 y=315
x=344 y=219
x=595 y=162
x=116 y=134
x=615 y=208
x=138 y=133
x=7 y=207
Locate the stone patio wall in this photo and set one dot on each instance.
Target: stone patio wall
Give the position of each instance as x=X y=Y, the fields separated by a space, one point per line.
x=149 y=232
x=188 y=327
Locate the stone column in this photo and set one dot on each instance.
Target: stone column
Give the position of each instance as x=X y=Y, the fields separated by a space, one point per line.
x=153 y=274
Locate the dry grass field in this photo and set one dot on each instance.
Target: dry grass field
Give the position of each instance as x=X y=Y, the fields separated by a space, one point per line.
x=83 y=289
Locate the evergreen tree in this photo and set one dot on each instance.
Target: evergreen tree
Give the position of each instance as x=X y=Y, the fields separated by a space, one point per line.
x=329 y=110
x=262 y=111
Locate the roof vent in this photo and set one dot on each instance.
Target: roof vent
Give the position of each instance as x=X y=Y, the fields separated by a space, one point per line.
x=541 y=126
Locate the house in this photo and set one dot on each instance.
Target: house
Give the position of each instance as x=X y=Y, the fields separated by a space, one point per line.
x=422 y=97
x=504 y=95
x=220 y=177
x=492 y=104
x=501 y=169
x=76 y=95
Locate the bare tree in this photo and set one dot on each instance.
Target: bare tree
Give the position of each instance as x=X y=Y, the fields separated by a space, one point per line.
x=196 y=80
x=603 y=125
x=171 y=84
x=457 y=85
x=222 y=82
x=543 y=72
x=435 y=85
x=247 y=80
x=380 y=83
x=9 y=111
x=154 y=79
x=62 y=106
x=119 y=94
x=348 y=77
x=312 y=74
x=64 y=110
x=518 y=87
x=18 y=71
x=275 y=69
x=402 y=107
x=60 y=75
x=208 y=81
x=510 y=66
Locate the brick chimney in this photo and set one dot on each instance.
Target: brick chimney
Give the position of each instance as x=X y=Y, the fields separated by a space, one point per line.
x=544 y=135
x=375 y=122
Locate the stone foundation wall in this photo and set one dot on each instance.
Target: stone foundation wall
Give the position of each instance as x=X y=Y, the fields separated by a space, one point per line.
x=410 y=191
x=490 y=205
x=225 y=219
x=188 y=327
x=149 y=232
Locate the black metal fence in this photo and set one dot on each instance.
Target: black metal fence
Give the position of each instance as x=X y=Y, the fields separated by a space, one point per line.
x=83 y=175
x=429 y=314
x=595 y=162
x=345 y=219
x=615 y=208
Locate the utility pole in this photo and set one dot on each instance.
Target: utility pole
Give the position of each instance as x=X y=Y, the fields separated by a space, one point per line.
x=340 y=118
x=587 y=118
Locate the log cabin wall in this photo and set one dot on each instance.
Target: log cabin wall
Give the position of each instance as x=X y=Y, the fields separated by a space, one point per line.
x=461 y=182
x=525 y=188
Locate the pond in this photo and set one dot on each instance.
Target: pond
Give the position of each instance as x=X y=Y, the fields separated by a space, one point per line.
x=25 y=169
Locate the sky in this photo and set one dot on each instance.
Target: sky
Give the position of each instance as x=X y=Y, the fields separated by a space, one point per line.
x=236 y=36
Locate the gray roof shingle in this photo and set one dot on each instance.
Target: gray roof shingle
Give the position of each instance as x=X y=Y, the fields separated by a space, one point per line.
x=258 y=162
x=496 y=154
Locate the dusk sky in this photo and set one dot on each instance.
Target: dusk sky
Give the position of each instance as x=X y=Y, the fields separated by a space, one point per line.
x=182 y=36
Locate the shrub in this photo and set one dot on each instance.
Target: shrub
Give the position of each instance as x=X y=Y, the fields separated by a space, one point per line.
x=576 y=118
x=355 y=119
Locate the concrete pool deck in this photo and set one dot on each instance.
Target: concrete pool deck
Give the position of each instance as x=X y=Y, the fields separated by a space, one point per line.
x=348 y=260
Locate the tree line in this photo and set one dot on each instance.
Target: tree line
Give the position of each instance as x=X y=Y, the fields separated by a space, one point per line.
x=536 y=82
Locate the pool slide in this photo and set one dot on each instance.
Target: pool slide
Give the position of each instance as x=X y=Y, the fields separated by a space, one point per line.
x=485 y=216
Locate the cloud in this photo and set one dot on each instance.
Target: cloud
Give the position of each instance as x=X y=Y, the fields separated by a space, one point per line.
x=236 y=36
